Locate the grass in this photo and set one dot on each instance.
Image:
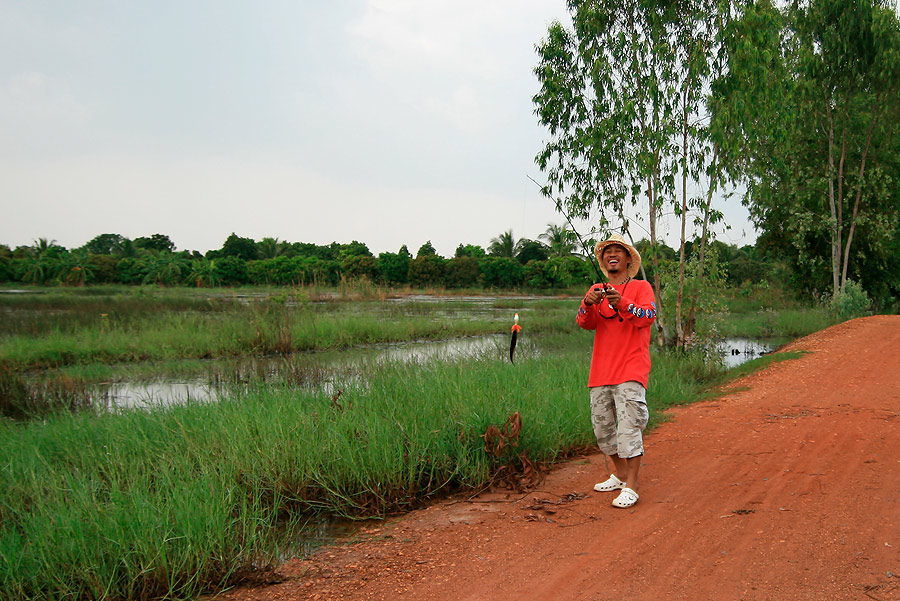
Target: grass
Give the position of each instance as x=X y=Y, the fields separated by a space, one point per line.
x=52 y=331
x=176 y=501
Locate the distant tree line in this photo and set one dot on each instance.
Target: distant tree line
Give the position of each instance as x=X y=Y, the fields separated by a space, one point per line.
x=552 y=261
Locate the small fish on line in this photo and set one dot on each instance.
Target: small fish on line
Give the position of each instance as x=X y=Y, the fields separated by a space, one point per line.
x=515 y=336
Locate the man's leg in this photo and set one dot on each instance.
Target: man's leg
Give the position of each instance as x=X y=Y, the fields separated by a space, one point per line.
x=631 y=419
x=628 y=470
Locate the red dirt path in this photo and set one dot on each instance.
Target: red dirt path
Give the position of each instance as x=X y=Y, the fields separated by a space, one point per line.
x=786 y=487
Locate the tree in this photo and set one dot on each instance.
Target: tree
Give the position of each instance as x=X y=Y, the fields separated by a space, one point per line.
x=427 y=270
x=231 y=270
x=354 y=249
x=164 y=268
x=504 y=245
x=531 y=250
x=812 y=93
x=269 y=248
x=462 y=272
x=242 y=248
x=204 y=273
x=393 y=268
x=104 y=244
x=469 y=250
x=561 y=241
x=157 y=242
x=359 y=266
x=75 y=268
x=426 y=250
x=619 y=94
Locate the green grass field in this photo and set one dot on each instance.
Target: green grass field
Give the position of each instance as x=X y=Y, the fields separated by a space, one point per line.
x=176 y=501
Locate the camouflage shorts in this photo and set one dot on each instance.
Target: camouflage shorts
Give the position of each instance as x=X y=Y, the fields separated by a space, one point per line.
x=619 y=415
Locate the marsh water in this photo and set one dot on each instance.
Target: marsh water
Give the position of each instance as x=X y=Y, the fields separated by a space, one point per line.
x=320 y=370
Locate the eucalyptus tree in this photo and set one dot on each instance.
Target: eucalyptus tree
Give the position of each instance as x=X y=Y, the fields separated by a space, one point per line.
x=622 y=94
x=812 y=94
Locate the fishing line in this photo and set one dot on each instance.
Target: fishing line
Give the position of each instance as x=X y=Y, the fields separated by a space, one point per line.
x=584 y=247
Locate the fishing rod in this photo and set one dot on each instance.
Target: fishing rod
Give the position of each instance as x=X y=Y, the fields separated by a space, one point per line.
x=584 y=247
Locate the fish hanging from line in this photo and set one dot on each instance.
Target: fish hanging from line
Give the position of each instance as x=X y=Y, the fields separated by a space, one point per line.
x=515 y=337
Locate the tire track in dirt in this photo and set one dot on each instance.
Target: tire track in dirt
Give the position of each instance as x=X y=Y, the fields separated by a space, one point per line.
x=785 y=487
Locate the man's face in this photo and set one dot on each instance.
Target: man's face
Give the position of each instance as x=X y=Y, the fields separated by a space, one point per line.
x=615 y=258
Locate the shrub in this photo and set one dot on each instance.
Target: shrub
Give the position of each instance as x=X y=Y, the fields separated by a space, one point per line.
x=851 y=302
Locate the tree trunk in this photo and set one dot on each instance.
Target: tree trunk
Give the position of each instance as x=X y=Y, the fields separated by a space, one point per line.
x=862 y=170
x=835 y=228
x=680 y=337
x=704 y=237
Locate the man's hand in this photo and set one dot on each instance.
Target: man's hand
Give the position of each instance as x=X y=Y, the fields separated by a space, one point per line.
x=594 y=295
x=613 y=296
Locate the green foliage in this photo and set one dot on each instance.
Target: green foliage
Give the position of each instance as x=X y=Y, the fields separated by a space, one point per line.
x=164 y=268
x=204 y=273
x=558 y=272
x=531 y=250
x=462 y=272
x=243 y=248
x=501 y=272
x=354 y=248
x=231 y=270
x=104 y=244
x=360 y=266
x=393 y=268
x=103 y=267
x=427 y=270
x=806 y=100
x=469 y=250
x=130 y=270
x=158 y=242
x=851 y=302
x=426 y=250
x=504 y=245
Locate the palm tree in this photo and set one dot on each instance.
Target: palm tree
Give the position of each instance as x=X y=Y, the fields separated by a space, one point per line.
x=269 y=248
x=75 y=268
x=203 y=273
x=42 y=245
x=560 y=240
x=504 y=245
x=165 y=268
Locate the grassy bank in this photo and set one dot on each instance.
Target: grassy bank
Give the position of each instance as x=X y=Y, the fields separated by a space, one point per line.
x=175 y=502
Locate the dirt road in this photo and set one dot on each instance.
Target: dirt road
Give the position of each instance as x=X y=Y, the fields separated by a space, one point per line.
x=787 y=487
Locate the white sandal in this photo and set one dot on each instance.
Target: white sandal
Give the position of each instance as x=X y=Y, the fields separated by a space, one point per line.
x=626 y=498
x=612 y=483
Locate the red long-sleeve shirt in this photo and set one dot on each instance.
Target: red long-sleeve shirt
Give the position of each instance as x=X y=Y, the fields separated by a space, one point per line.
x=621 y=348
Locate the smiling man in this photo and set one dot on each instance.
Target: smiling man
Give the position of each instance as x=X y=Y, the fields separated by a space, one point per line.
x=620 y=313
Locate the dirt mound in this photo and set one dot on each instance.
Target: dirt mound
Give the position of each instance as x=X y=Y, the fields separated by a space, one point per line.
x=787 y=487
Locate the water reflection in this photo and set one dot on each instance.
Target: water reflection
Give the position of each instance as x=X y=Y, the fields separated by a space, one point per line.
x=319 y=371
x=304 y=370
x=735 y=351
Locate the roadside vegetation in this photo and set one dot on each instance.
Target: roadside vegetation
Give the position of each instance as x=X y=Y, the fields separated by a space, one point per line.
x=174 y=501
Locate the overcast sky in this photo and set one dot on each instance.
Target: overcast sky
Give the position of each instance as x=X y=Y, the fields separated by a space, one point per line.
x=389 y=122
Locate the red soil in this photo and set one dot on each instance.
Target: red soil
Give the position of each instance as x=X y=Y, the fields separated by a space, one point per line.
x=786 y=487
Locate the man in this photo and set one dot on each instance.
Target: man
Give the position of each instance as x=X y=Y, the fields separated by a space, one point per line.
x=621 y=313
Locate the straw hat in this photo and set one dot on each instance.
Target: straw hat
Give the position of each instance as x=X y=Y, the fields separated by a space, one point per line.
x=634 y=266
